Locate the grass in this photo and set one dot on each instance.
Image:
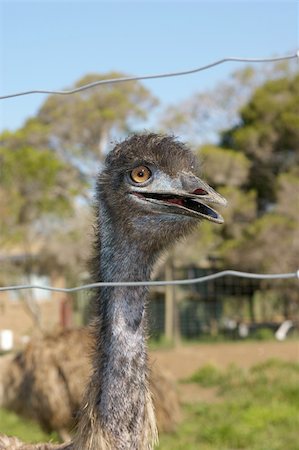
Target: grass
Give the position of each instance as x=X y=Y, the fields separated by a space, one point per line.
x=26 y=430
x=257 y=409
x=161 y=343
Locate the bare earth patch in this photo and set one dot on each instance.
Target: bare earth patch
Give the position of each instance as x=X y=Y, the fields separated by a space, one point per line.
x=183 y=361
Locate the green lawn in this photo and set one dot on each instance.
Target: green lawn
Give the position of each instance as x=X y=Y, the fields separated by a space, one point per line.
x=26 y=430
x=255 y=410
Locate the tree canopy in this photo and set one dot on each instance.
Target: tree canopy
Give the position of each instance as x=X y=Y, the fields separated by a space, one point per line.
x=33 y=184
x=48 y=166
x=268 y=134
x=84 y=122
x=49 y=163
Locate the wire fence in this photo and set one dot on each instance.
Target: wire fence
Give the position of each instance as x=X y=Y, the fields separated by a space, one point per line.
x=153 y=76
x=187 y=281
x=202 y=279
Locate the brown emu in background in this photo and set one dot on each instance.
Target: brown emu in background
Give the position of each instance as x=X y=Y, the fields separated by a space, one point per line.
x=46 y=380
x=148 y=196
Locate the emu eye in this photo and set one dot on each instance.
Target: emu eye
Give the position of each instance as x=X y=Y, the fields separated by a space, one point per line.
x=140 y=174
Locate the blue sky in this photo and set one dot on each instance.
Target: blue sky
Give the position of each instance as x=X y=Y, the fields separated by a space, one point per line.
x=52 y=44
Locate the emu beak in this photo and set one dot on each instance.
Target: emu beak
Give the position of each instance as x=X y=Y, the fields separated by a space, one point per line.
x=186 y=195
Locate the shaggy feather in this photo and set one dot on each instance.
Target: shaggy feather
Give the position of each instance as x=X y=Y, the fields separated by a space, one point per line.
x=45 y=382
x=117 y=412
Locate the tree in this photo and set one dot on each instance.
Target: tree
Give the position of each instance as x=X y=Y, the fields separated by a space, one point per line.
x=227 y=171
x=268 y=135
x=79 y=127
x=203 y=116
x=82 y=124
x=34 y=184
x=46 y=172
x=49 y=162
x=256 y=167
x=223 y=166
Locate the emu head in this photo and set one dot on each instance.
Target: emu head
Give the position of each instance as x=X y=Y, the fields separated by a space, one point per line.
x=151 y=190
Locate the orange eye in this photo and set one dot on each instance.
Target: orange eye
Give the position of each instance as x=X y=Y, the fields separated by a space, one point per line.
x=140 y=174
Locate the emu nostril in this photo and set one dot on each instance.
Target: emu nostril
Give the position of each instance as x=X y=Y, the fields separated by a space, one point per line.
x=199 y=191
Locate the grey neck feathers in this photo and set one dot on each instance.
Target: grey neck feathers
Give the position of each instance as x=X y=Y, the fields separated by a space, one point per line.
x=119 y=401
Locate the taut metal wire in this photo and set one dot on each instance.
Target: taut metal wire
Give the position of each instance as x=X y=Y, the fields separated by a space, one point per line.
x=153 y=76
x=224 y=273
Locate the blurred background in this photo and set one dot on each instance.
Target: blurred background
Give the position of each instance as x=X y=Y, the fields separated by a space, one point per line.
x=230 y=346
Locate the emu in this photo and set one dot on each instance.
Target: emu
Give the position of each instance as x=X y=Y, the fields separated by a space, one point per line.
x=148 y=196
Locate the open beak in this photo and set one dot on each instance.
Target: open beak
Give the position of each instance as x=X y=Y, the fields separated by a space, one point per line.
x=190 y=197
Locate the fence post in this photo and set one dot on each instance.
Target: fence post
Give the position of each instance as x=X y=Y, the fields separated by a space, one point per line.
x=176 y=320
x=169 y=302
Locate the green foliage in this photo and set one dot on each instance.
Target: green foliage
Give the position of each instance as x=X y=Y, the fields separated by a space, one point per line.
x=240 y=212
x=287 y=194
x=32 y=134
x=48 y=165
x=32 y=183
x=257 y=243
x=82 y=123
x=224 y=167
x=204 y=115
x=45 y=165
x=260 y=231
x=269 y=134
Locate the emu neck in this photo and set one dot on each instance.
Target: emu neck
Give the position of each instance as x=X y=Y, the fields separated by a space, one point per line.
x=122 y=399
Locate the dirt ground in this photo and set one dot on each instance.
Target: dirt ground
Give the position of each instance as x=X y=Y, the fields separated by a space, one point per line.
x=183 y=361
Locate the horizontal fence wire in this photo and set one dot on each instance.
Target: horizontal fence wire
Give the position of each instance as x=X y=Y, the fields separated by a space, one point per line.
x=153 y=76
x=188 y=281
